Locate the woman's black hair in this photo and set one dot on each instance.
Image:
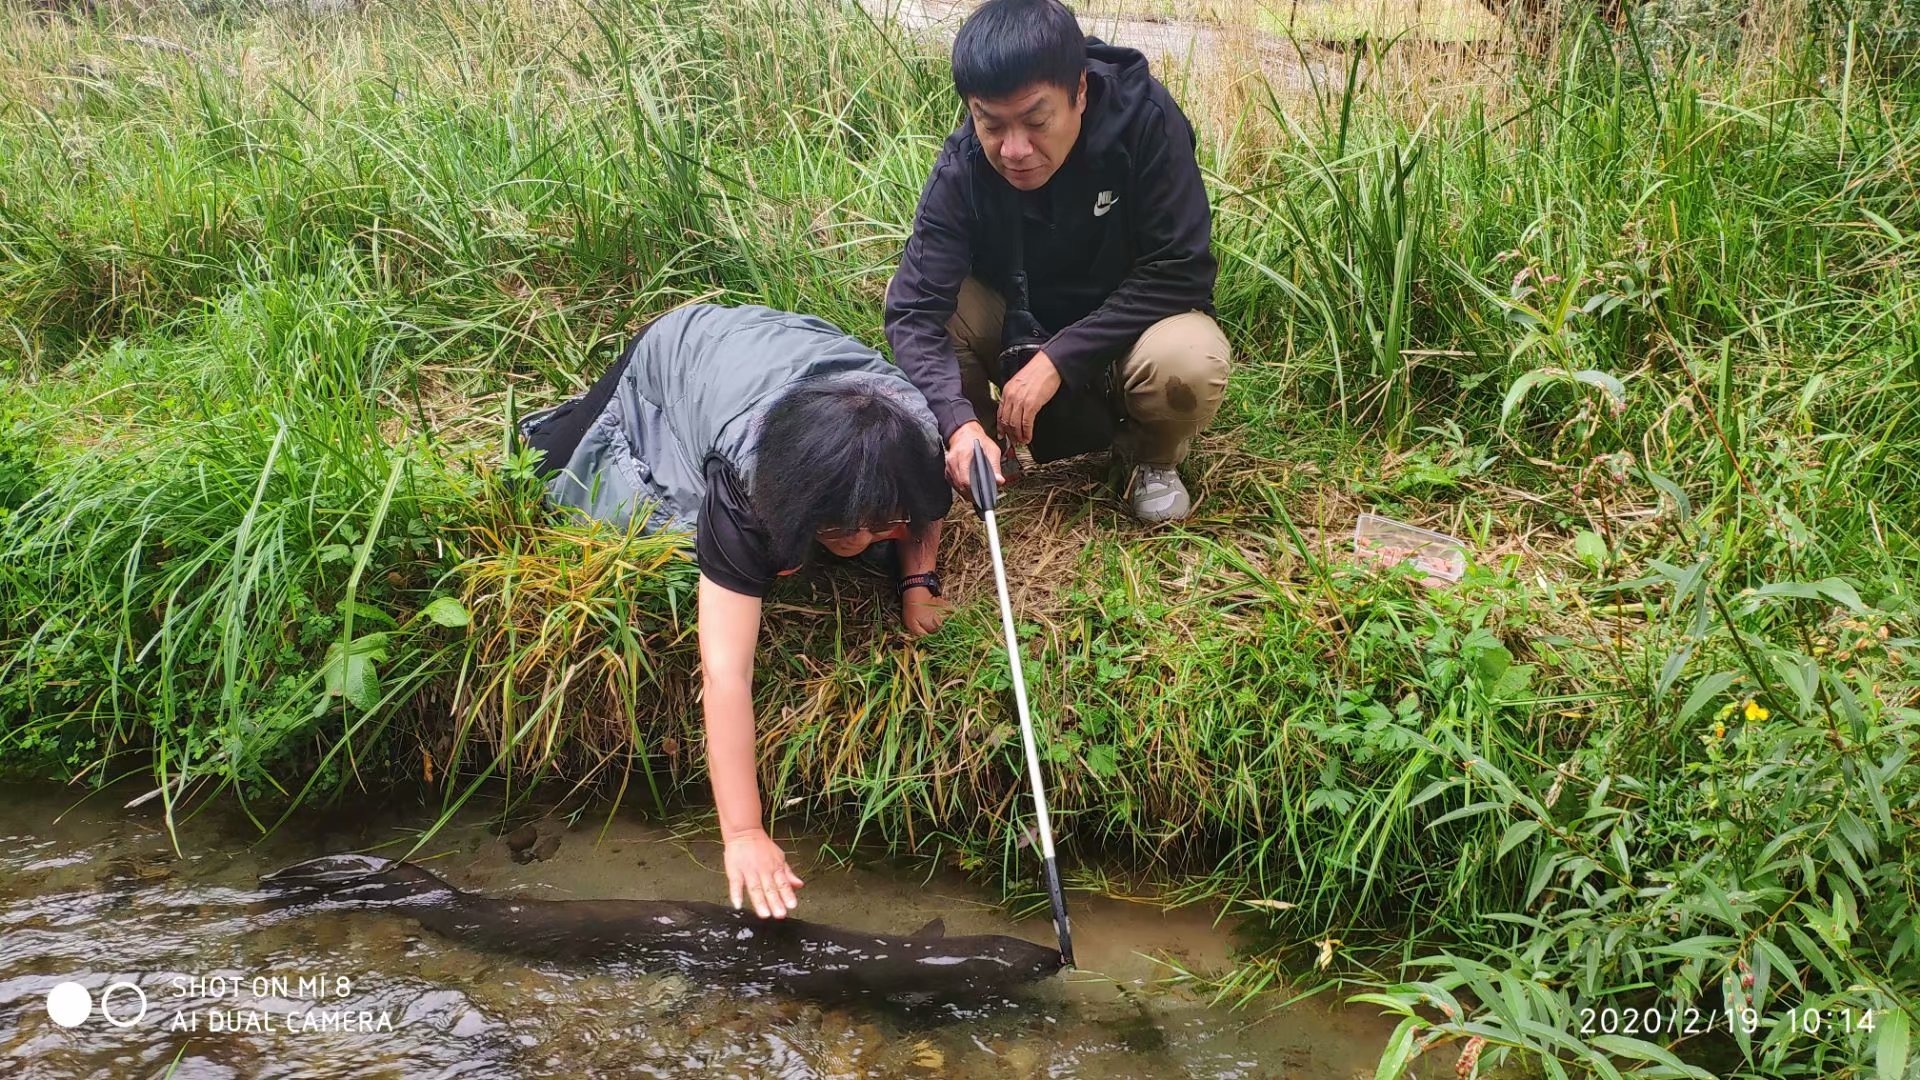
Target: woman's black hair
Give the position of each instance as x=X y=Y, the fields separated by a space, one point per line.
x=835 y=455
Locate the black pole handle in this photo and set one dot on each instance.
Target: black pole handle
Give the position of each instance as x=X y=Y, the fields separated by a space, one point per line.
x=985 y=490
x=1059 y=901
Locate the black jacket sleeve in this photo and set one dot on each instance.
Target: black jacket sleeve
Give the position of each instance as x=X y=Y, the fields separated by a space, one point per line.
x=925 y=291
x=1174 y=269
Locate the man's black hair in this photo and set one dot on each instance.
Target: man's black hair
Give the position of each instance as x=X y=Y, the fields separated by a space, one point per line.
x=1008 y=45
x=838 y=456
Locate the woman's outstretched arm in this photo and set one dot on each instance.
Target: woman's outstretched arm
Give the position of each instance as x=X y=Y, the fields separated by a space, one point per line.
x=756 y=866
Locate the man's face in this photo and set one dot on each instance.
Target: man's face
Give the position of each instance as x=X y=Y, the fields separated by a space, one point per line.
x=1028 y=134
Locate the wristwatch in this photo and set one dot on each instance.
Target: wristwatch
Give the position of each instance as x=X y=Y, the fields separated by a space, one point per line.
x=929 y=579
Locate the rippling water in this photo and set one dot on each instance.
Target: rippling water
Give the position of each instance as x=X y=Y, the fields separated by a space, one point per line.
x=95 y=895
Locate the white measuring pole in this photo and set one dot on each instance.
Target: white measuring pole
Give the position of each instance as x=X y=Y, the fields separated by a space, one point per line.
x=1020 y=691
x=985 y=493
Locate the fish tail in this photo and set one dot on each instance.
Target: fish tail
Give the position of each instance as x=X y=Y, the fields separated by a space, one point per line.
x=355 y=881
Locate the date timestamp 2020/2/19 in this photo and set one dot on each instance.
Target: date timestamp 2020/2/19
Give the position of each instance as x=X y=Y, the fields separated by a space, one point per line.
x=1689 y=1020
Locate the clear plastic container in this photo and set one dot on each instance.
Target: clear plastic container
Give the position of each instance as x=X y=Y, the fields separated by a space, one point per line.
x=1384 y=540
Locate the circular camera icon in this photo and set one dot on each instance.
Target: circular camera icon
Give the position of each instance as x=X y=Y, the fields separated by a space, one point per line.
x=136 y=1017
x=70 y=1004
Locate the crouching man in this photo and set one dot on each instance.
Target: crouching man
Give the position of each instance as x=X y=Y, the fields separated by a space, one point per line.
x=1061 y=253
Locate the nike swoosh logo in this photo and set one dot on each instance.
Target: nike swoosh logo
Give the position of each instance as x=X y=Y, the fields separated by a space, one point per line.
x=1103 y=204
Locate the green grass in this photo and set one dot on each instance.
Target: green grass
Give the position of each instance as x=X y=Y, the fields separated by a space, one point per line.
x=1642 y=329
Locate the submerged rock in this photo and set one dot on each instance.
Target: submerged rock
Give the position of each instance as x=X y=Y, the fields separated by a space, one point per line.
x=527 y=845
x=522 y=838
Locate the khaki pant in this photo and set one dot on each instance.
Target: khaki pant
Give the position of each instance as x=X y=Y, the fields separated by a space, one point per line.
x=1168 y=386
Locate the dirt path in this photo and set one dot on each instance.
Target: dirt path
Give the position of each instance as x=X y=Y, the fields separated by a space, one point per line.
x=1170 y=43
x=1215 y=41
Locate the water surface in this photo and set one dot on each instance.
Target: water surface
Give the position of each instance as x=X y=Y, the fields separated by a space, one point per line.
x=93 y=893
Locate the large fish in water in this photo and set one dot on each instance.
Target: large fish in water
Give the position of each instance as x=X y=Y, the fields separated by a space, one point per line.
x=702 y=940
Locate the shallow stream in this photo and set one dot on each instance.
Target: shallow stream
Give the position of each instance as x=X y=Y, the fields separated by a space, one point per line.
x=92 y=893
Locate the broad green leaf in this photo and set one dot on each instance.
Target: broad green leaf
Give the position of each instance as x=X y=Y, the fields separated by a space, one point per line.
x=1682 y=578
x=362 y=610
x=1522 y=386
x=1437 y=788
x=1468 y=810
x=1515 y=835
x=1813 y=952
x=447 y=611
x=1798 y=589
x=1694 y=590
x=1101 y=761
x=1641 y=1050
x=1841 y=592
x=1605 y=383
x=1705 y=691
x=1714 y=947
x=1775 y=959
x=1801 y=676
x=1390 y=1002
x=350 y=671
x=1672 y=491
x=1513 y=684
x=1492 y=662
x=1393 y=1060
x=1890 y=1044
x=1762 y=967
x=1590 y=547
x=1670 y=671
x=1544 y=866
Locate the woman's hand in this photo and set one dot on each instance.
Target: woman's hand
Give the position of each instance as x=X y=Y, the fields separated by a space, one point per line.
x=758 y=868
x=922 y=611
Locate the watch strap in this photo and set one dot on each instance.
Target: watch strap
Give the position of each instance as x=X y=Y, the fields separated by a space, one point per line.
x=929 y=581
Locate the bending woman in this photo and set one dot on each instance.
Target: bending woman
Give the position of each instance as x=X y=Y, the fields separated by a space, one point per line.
x=768 y=435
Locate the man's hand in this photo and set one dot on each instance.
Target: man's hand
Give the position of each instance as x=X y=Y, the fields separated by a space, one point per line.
x=960 y=455
x=1024 y=395
x=757 y=867
x=922 y=611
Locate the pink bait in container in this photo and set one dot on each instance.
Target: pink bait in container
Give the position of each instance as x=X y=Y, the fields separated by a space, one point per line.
x=1386 y=541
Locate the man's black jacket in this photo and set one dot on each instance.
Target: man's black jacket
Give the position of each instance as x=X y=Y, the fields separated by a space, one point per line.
x=1117 y=240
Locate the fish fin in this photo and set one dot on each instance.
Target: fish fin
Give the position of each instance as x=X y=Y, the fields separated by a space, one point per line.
x=935 y=928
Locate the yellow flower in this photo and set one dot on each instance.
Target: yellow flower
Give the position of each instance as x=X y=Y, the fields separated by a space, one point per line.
x=1719 y=730
x=1755 y=713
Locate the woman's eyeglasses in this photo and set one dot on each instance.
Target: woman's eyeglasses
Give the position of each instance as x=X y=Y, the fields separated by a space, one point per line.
x=879 y=531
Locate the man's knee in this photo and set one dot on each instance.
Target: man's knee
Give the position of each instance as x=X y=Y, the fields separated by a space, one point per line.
x=1178 y=370
x=978 y=313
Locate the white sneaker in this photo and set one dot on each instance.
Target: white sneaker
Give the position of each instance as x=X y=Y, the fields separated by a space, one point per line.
x=1157 y=494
